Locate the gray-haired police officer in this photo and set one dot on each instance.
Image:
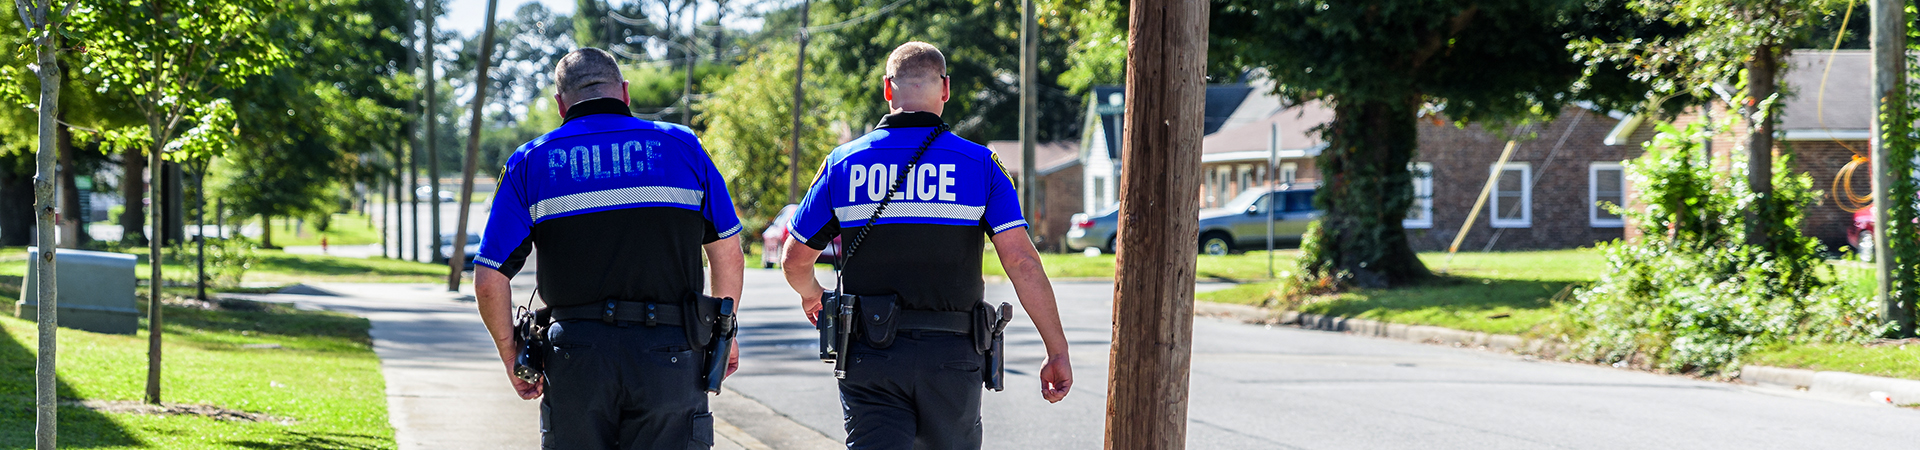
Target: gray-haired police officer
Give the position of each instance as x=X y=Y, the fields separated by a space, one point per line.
x=620 y=209
x=919 y=385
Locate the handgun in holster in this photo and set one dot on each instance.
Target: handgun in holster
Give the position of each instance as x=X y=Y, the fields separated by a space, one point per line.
x=530 y=335
x=990 y=339
x=836 y=330
x=725 y=326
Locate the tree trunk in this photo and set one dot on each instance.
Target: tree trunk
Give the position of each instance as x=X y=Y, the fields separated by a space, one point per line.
x=133 y=218
x=73 y=221
x=1761 y=71
x=16 y=204
x=176 y=212
x=1364 y=197
x=266 y=232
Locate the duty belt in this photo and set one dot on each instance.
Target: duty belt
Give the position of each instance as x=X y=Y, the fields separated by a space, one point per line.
x=957 y=322
x=612 y=311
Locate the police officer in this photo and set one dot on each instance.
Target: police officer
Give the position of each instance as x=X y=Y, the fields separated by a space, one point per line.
x=620 y=209
x=922 y=390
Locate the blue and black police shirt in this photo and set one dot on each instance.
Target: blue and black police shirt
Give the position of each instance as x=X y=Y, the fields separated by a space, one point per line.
x=618 y=206
x=927 y=245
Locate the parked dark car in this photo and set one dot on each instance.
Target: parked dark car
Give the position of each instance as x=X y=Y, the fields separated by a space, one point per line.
x=473 y=247
x=1241 y=224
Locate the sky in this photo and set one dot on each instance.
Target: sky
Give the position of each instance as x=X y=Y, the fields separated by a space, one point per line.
x=469 y=16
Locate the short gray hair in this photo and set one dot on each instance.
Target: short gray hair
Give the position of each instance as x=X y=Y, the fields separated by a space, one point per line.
x=916 y=62
x=587 y=73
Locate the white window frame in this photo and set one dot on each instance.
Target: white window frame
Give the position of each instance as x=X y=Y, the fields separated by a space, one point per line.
x=1526 y=196
x=1421 y=168
x=1593 y=194
x=1289 y=172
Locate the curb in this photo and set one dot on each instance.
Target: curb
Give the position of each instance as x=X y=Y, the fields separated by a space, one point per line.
x=1417 y=333
x=1843 y=386
x=755 y=426
x=1834 y=385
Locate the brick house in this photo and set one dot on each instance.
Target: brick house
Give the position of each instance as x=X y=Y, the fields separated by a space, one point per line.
x=1548 y=193
x=1060 y=184
x=1228 y=106
x=1823 y=128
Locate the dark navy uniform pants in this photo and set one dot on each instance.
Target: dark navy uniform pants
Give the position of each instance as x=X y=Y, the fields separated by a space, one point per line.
x=922 y=392
x=623 y=387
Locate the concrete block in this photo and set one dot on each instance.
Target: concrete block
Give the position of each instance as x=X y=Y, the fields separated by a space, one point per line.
x=96 y=291
x=1844 y=385
x=1777 y=377
x=1506 y=342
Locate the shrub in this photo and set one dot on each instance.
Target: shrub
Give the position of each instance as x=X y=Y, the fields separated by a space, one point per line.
x=1691 y=294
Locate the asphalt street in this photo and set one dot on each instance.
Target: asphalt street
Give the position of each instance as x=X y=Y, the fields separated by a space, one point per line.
x=1257 y=386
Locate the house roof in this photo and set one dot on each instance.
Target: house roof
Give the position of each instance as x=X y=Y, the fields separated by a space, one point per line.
x=1825 y=101
x=1847 y=103
x=1225 y=104
x=1049 y=156
x=1295 y=126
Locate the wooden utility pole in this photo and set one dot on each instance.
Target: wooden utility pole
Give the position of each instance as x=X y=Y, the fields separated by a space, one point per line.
x=693 y=30
x=433 y=147
x=456 y=259
x=1889 y=74
x=1762 y=69
x=1153 y=286
x=799 y=104
x=1029 y=124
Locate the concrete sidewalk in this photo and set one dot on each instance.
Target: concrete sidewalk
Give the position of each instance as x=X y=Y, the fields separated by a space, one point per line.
x=446 y=388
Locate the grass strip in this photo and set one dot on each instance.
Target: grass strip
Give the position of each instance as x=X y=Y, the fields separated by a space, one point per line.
x=306 y=379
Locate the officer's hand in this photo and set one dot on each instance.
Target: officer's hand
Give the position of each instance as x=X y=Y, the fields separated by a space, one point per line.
x=733 y=359
x=811 y=305
x=527 y=391
x=1056 y=378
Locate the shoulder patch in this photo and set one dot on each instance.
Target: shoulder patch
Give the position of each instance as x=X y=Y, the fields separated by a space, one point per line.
x=1003 y=169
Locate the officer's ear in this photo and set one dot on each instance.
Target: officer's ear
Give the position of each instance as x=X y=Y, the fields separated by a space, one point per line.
x=946 y=88
x=561 y=103
x=625 y=96
x=886 y=86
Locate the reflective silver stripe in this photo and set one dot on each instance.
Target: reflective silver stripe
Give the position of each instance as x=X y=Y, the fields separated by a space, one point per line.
x=614 y=197
x=729 y=233
x=1010 y=225
x=911 y=209
x=482 y=260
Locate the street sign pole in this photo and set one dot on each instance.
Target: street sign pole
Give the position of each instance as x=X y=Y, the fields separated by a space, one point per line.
x=1273 y=163
x=1159 y=223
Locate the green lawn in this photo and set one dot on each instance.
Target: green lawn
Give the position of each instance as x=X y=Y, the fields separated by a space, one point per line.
x=321 y=388
x=280 y=267
x=1896 y=360
x=1240 y=267
x=1505 y=292
x=343 y=229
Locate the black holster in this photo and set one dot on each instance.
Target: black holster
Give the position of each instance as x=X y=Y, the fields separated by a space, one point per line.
x=721 y=334
x=836 y=321
x=530 y=335
x=989 y=339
